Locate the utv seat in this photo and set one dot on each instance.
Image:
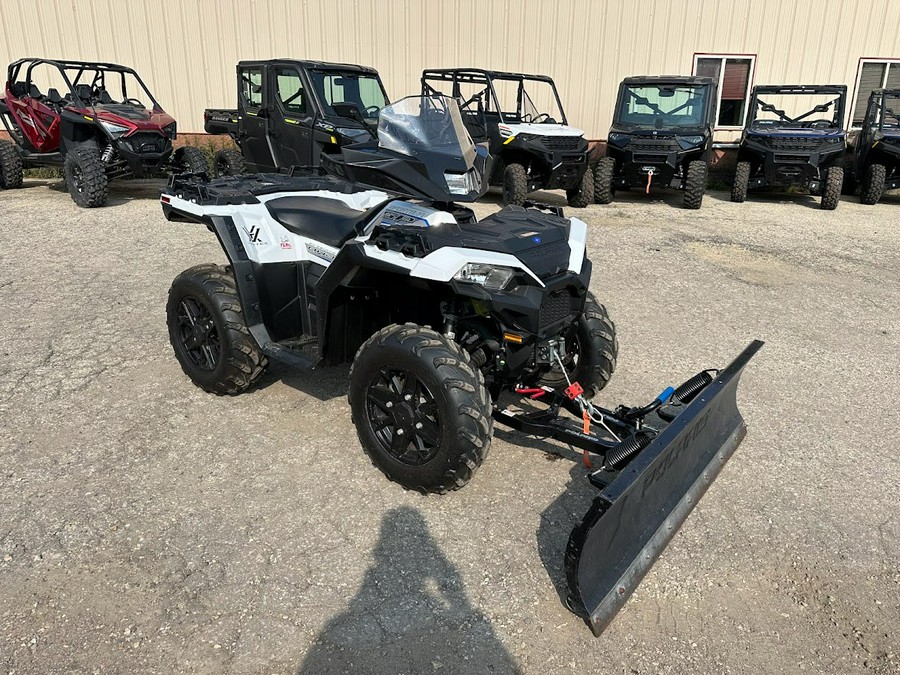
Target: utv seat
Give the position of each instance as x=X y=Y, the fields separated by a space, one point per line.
x=326 y=220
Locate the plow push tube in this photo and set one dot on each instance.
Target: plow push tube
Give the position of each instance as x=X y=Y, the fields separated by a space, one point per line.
x=637 y=514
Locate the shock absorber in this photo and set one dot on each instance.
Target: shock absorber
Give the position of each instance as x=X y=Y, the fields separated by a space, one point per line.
x=108 y=153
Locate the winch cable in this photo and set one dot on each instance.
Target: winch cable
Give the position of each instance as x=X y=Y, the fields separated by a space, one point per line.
x=649 y=180
x=585 y=405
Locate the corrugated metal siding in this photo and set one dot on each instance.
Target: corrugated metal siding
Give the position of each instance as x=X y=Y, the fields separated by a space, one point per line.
x=186 y=49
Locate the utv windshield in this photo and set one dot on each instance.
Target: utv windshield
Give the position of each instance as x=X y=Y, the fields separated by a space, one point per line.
x=889 y=117
x=528 y=100
x=363 y=90
x=779 y=111
x=421 y=124
x=658 y=106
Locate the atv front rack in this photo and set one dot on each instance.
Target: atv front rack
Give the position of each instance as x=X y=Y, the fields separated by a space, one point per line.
x=652 y=465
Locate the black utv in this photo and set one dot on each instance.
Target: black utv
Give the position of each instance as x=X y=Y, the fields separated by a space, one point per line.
x=782 y=145
x=661 y=136
x=521 y=117
x=876 y=155
x=290 y=112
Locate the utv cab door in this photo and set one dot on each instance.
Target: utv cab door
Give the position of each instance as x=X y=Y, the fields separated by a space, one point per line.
x=291 y=118
x=253 y=126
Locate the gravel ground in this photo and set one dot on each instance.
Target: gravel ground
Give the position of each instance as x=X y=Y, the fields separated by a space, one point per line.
x=150 y=527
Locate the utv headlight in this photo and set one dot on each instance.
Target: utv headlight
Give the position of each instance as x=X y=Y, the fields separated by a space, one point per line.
x=619 y=140
x=492 y=277
x=688 y=142
x=171 y=130
x=461 y=183
x=113 y=130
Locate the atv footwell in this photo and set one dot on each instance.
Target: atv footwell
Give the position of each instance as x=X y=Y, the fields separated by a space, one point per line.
x=652 y=465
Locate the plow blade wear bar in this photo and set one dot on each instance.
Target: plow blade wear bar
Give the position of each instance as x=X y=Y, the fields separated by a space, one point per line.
x=637 y=514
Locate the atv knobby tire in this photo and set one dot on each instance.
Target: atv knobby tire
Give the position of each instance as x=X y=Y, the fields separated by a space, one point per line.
x=229 y=162
x=408 y=377
x=10 y=167
x=188 y=159
x=872 y=186
x=595 y=352
x=603 y=180
x=831 y=189
x=583 y=195
x=86 y=178
x=219 y=355
x=515 y=184
x=695 y=184
x=741 y=182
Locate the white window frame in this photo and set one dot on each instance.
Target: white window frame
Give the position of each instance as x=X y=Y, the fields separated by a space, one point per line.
x=856 y=92
x=722 y=57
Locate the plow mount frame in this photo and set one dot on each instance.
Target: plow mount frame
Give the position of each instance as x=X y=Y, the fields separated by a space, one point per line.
x=644 y=499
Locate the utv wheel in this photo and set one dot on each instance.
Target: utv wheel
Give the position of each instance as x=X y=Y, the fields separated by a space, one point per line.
x=872 y=184
x=421 y=409
x=515 y=184
x=85 y=178
x=10 y=167
x=741 y=182
x=831 y=191
x=591 y=361
x=209 y=334
x=188 y=159
x=695 y=184
x=603 y=180
x=583 y=195
x=229 y=163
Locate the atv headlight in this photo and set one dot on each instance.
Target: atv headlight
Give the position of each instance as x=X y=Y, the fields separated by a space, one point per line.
x=461 y=183
x=688 y=142
x=619 y=140
x=492 y=277
x=112 y=129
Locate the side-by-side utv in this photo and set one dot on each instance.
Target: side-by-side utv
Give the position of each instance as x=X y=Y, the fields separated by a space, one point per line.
x=451 y=325
x=522 y=120
x=793 y=136
x=661 y=137
x=876 y=151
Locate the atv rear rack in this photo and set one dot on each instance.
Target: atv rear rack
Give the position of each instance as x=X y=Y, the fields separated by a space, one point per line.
x=652 y=464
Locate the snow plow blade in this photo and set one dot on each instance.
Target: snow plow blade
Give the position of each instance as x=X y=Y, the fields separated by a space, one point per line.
x=637 y=514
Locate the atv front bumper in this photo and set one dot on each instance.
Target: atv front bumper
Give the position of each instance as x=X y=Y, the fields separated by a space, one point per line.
x=783 y=168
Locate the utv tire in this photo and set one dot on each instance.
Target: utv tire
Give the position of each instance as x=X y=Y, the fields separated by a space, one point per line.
x=229 y=163
x=515 y=185
x=86 y=178
x=695 y=184
x=188 y=159
x=597 y=350
x=583 y=195
x=436 y=439
x=10 y=167
x=603 y=180
x=872 y=184
x=209 y=334
x=741 y=182
x=831 y=190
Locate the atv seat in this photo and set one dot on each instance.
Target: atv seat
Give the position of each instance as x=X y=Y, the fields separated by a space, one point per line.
x=329 y=221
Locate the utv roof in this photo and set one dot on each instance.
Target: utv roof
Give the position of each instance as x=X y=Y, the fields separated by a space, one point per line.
x=66 y=64
x=800 y=89
x=668 y=79
x=312 y=65
x=476 y=74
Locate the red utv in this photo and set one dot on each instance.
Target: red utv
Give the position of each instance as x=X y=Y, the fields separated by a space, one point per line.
x=106 y=125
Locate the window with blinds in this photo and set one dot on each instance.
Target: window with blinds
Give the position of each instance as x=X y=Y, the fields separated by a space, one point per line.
x=733 y=74
x=881 y=74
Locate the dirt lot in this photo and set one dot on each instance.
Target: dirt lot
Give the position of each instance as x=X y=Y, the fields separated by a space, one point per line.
x=150 y=527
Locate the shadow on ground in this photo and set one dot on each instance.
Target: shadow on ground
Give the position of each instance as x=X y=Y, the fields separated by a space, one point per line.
x=410 y=615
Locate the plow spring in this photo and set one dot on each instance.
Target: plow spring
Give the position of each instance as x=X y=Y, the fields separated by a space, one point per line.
x=651 y=464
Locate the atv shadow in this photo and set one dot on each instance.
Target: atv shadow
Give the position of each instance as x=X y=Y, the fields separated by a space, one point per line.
x=122 y=191
x=323 y=383
x=411 y=614
x=494 y=197
x=779 y=197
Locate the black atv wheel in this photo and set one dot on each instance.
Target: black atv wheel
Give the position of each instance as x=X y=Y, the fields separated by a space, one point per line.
x=872 y=186
x=695 y=184
x=229 y=162
x=209 y=334
x=10 y=167
x=603 y=180
x=188 y=159
x=421 y=409
x=86 y=178
x=515 y=184
x=741 y=182
x=583 y=195
x=831 y=190
x=591 y=360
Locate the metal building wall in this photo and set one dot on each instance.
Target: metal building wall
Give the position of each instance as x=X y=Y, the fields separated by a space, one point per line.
x=186 y=49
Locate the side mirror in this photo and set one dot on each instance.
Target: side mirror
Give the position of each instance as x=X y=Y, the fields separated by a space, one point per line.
x=350 y=111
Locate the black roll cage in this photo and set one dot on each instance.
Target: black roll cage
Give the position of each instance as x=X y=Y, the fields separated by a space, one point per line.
x=878 y=97
x=839 y=102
